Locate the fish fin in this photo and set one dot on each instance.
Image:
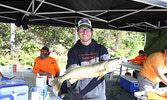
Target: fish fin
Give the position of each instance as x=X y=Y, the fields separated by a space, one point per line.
x=100 y=77
x=72 y=68
x=73 y=80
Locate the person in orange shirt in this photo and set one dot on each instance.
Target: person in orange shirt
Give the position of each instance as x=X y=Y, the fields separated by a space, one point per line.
x=153 y=71
x=46 y=65
x=140 y=59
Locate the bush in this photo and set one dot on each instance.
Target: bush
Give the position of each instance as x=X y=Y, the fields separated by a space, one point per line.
x=27 y=58
x=29 y=46
x=4 y=61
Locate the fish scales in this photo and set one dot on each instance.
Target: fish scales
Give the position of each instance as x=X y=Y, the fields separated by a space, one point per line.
x=89 y=71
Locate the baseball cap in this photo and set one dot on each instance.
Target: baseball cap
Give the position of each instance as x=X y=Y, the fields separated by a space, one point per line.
x=141 y=51
x=44 y=49
x=84 y=22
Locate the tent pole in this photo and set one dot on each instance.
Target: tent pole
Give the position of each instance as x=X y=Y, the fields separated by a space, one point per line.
x=12 y=39
x=145 y=39
x=76 y=36
x=33 y=4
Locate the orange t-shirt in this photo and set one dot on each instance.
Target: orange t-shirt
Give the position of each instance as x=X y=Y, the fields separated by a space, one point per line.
x=48 y=65
x=139 y=60
x=157 y=60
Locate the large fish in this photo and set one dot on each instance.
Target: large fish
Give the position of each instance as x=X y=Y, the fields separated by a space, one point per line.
x=89 y=71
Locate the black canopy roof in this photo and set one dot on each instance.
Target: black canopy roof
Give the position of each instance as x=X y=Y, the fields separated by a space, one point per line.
x=109 y=14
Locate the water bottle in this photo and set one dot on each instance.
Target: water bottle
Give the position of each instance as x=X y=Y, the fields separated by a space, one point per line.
x=48 y=96
x=10 y=68
x=34 y=94
x=30 y=90
x=45 y=88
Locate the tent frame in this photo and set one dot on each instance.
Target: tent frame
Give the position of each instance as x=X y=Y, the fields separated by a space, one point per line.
x=31 y=10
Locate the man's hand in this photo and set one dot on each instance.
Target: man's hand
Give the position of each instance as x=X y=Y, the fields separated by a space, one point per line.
x=159 y=72
x=45 y=73
x=133 y=63
x=49 y=75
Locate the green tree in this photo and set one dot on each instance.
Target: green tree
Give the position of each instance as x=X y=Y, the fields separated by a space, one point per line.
x=123 y=44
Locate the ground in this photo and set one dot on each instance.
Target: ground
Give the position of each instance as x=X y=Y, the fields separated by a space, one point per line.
x=113 y=90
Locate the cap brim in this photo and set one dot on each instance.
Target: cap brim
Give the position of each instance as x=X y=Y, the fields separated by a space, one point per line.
x=42 y=50
x=84 y=25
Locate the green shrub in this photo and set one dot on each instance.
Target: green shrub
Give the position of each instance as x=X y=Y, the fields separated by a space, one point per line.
x=3 y=61
x=29 y=46
x=26 y=58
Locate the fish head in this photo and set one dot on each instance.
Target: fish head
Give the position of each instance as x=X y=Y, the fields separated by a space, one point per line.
x=112 y=64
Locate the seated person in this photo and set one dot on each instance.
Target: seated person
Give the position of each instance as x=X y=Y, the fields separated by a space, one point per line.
x=140 y=59
x=2 y=78
x=46 y=65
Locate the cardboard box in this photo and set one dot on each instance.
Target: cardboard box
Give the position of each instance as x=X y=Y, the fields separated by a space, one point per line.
x=15 y=89
x=129 y=83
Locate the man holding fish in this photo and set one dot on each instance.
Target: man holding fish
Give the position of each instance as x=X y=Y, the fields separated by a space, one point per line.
x=86 y=66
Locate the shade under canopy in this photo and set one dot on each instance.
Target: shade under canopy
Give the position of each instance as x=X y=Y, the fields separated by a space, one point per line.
x=108 y=14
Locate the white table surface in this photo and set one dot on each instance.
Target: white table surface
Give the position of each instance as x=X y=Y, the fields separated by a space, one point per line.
x=29 y=77
x=132 y=66
x=142 y=95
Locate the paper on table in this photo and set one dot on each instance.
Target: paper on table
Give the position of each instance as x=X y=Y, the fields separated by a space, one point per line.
x=41 y=81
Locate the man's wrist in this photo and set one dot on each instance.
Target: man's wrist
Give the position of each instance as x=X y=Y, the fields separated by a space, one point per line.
x=47 y=74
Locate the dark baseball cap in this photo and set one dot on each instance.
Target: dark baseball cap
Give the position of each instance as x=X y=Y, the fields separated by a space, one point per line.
x=141 y=51
x=44 y=49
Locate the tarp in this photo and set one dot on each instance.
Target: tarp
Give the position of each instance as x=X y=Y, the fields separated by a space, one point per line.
x=155 y=41
x=109 y=14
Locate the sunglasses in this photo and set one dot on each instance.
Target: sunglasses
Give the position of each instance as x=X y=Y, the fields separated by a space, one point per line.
x=81 y=30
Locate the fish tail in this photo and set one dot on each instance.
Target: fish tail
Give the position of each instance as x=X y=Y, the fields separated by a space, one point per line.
x=57 y=83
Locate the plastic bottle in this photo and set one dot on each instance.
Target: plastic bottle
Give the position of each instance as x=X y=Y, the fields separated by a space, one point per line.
x=48 y=96
x=30 y=90
x=10 y=68
x=45 y=88
x=34 y=94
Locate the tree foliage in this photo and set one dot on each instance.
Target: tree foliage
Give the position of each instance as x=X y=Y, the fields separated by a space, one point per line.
x=124 y=44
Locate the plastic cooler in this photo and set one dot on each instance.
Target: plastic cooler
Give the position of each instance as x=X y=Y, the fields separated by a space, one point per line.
x=15 y=89
x=129 y=83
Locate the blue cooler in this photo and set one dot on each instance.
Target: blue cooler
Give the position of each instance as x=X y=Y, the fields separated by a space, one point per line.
x=129 y=83
x=15 y=89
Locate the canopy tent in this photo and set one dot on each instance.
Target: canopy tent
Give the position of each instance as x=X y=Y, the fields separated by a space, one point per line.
x=109 y=14
x=129 y=15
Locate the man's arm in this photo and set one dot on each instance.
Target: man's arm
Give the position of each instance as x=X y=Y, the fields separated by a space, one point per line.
x=35 y=66
x=45 y=73
x=133 y=59
x=159 y=72
x=57 y=69
x=57 y=74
